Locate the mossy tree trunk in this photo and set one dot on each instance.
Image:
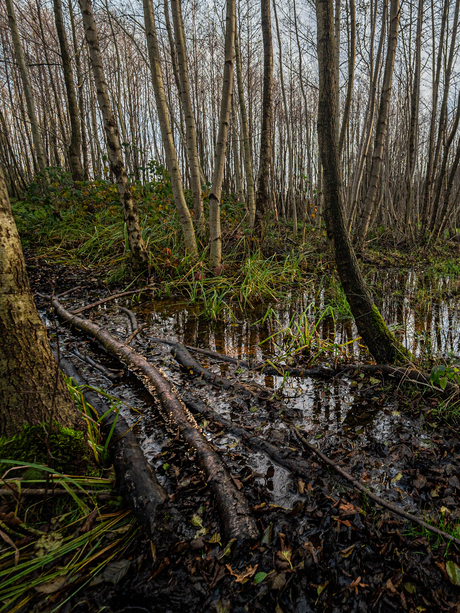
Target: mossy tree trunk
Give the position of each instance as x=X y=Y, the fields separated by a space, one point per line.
x=31 y=387
x=373 y=330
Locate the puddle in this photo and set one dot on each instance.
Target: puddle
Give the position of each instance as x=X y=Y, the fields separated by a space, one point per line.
x=362 y=426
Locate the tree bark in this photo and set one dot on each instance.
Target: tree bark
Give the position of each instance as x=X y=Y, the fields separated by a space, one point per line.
x=382 y=123
x=136 y=242
x=215 y=235
x=184 y=91
x=265 y=161
x=27 y=87
x=380 y=341
x=166 y=132
x=250 y=201
x=31 y=387
x=75 y=136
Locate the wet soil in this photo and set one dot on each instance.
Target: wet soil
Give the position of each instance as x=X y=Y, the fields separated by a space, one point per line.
x=322 y=547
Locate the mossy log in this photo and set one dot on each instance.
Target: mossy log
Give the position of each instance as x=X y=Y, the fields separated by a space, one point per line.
x=237 y=520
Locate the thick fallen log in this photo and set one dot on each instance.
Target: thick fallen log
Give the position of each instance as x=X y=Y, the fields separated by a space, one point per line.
x=237 y=520
x=136 y=481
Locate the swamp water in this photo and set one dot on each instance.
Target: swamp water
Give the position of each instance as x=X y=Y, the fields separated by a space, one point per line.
x=359 y=420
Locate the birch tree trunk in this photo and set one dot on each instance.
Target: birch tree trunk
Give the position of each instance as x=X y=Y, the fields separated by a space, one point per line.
x=184 y=91
x=27 y=87
x=380 y=341
x=138 y=251
x=75 y=135
x=166 y=132
x=382 y=123
x=265 y=160
x=215 y=235
x=32 y=389
x=250 y=199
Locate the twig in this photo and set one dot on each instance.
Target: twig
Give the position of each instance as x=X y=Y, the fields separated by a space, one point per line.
x=112 y=297
x=105 y=371
x=380 y=501
x=136 y=331
x=31 y=491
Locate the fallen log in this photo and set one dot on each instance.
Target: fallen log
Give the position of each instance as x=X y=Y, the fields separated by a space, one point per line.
x=136 y=481
x=236 y=517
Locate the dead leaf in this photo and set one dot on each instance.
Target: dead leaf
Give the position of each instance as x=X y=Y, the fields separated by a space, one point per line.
x=7 y=539
x=51 y=586
x=345 y=553
x=454 y=482
x=89 y=523
x=419 y=482
x=237 y=482
x=453 y=572
x=279 y=581
x=243 y=577
x=301 y=486
x=348 y=509
x=357 y=583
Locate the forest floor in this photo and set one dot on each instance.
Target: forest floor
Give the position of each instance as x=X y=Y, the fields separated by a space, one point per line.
x=322 y=546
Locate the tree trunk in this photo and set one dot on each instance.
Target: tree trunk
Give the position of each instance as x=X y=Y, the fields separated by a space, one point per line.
x=31 y=387
x=75 y=136
x=382 y=123
x=184 y=91
x=380 y=341
x=262 y=196
x=215 y=234
x=166 y=132
x=250 y=201
x=24 y=72
x=136 y=243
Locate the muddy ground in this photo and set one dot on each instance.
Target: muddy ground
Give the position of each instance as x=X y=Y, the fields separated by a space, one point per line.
x=322 y=546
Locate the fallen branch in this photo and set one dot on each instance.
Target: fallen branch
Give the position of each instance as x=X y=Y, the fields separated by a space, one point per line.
x=298 y=466
x=112 y=297
x=102 y=369
x=136 y=480
x=380 y=501
x=232 y=506
x=247 y=390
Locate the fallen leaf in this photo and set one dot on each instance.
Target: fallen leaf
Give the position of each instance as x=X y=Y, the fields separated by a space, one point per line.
x=243 y=577
x=320 y=589
x=410 y=588
x=50 y=587
x=259 y=577
x=453 y=572
x=419 y=482
x=346 y=553
x=279 y=581
x=397 y=478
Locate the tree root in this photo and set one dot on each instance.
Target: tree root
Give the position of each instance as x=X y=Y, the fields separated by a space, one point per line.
x=232 y=506
x=136 y=480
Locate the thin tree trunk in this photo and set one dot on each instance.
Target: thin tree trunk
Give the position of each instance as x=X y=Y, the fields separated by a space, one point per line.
x=184 y=91
x=382 y=124
x=414 y=113
x=166 y=132
x=27 y=87
x=250 y=198
x=380 y=341
x=351 y=75
x=75 y=137
x=262 y=196
x=290 y=198
x=215 y=235
x=136 y=243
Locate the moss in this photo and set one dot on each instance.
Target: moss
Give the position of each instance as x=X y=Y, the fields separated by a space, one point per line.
x=398 y=354
x=69 y=450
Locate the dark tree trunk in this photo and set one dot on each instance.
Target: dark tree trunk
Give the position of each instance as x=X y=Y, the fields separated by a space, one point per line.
x=380 y=341
x=262 y=196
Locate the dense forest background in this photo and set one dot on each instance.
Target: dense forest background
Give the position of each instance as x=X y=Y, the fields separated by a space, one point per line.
x=410 y=140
